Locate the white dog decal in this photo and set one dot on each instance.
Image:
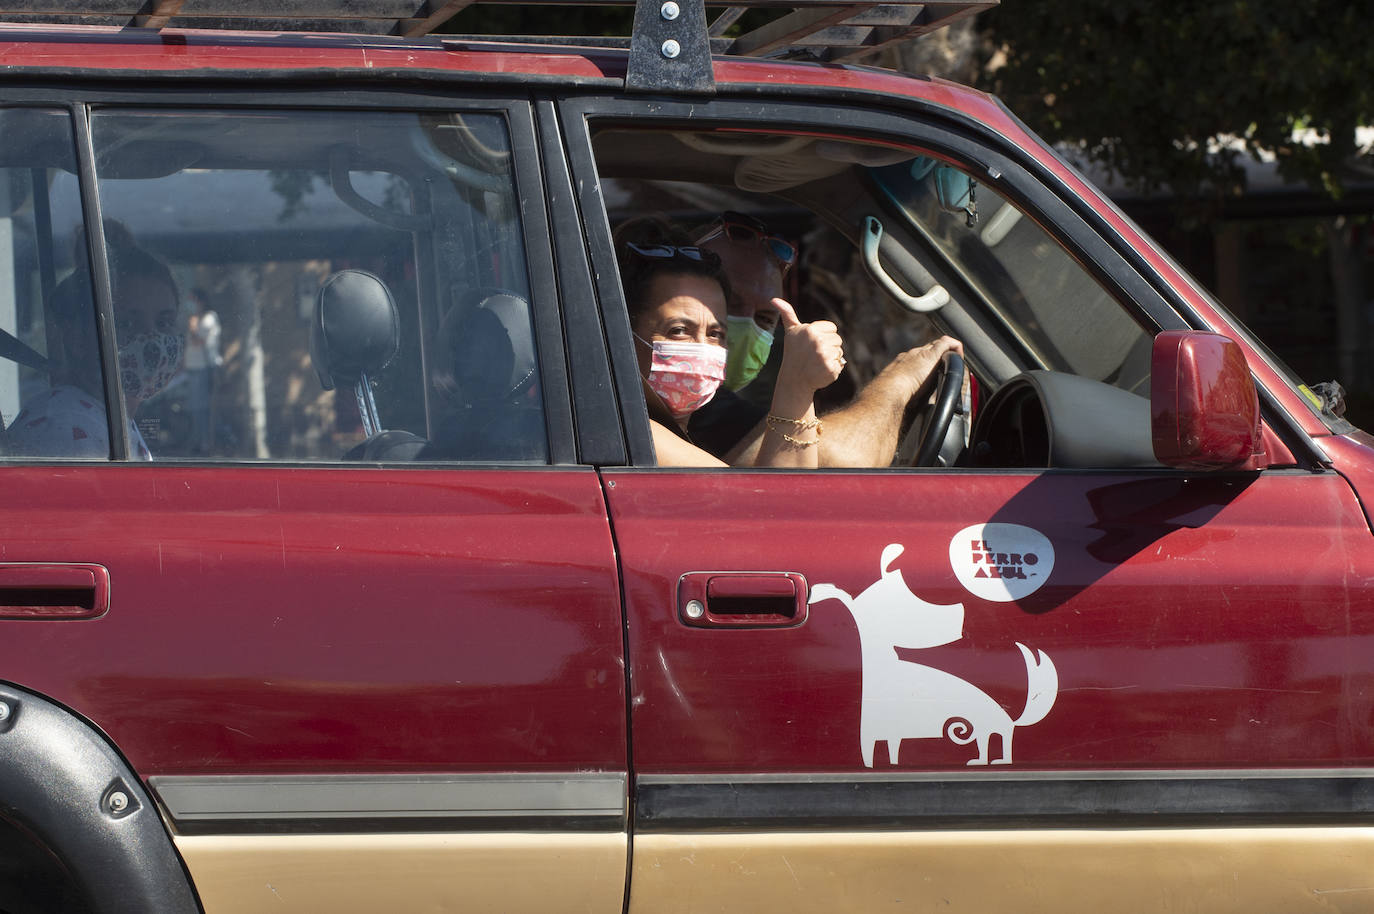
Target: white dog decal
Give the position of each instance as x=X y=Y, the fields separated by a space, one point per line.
x=905 y=700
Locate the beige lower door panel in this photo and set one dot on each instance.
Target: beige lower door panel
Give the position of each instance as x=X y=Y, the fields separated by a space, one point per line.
x=1208 y=871
x=499 y=873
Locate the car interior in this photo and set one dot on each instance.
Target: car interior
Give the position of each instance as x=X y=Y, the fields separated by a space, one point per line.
x=898 y=246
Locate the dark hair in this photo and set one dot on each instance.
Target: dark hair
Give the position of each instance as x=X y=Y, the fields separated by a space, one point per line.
x=638 y=271
x=128 y=260
x=73 y=347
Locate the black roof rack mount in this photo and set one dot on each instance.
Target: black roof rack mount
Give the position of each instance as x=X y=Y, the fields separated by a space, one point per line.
x=669 y=50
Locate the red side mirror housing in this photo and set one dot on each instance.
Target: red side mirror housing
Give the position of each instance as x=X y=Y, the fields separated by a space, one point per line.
x=1204 y=411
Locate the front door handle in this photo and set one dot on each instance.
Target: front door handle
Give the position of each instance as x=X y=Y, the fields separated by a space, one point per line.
x=742 y=599
x=53 y=591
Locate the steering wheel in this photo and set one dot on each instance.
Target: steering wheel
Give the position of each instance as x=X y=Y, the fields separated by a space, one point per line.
x=919 y=449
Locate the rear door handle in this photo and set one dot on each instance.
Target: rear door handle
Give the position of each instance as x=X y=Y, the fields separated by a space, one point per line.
x=742 y=599
x=53 y=591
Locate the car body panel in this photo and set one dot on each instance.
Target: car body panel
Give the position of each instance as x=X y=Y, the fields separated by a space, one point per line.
x=1183 y=633
x=1352 y=455
x=355 y=874
x=1263 y=870
x=329 y=620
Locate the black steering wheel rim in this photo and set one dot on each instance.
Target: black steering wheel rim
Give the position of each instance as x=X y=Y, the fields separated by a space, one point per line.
x=949 y=389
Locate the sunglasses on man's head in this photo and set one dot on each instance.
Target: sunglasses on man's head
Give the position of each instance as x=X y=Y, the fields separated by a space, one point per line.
x=669 y=251
x=743 y=229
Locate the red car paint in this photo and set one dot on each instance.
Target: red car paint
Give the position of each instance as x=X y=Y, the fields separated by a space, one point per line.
x=1214 y=594
x=330 y=620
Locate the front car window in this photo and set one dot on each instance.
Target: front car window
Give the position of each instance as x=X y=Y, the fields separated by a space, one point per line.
x=1072 y=355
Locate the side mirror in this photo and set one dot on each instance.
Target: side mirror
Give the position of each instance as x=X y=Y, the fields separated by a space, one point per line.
x=1204 y=411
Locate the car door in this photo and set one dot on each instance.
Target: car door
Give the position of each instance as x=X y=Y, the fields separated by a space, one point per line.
x=351 y=609
x=1056 y=689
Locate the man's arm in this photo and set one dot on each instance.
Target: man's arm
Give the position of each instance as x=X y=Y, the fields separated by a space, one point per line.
x=864 y=432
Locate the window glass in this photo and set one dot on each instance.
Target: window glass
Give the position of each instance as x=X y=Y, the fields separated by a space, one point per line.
x=319 y=286
x=52 y=397
x=1058 y=311
x=896 y=249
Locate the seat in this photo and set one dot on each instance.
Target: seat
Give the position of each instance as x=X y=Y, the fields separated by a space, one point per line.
x=485 y=373
x=355 y=334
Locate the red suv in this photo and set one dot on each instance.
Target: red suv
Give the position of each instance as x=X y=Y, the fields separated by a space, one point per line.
x=339 y=575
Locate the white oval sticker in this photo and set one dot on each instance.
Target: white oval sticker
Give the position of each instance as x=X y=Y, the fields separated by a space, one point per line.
x=1001 y=562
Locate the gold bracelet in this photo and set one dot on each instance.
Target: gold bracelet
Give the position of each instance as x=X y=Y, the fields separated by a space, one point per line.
x=802 y=424
x=797 y=442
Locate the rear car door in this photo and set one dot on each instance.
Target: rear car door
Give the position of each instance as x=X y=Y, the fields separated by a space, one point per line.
x=352 y=607
x=1078 y=687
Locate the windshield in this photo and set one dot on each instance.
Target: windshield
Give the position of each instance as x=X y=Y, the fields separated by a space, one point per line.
x=1056 y=310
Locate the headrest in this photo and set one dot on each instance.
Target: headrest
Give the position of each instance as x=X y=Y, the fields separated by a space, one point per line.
x=514 y=314
x=487 y=352
x=356 y=329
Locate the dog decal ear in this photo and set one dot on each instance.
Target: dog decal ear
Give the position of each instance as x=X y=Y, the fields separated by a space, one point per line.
x=891 y=552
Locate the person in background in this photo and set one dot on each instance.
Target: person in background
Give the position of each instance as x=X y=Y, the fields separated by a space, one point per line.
x=676 y=298
x=863 y=433
x=69 y=419
x=203 y=359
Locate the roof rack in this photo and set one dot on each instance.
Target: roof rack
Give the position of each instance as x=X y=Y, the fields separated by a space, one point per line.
x=669 y=50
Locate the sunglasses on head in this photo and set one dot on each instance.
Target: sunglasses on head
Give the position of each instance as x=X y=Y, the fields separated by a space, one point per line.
x=669 y=251
x=743 y=229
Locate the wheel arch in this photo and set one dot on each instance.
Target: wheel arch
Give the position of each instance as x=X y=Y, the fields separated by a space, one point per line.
x=63 y=783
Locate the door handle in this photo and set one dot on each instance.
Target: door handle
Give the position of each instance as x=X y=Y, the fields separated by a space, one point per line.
x=53 y=591
x=742 y=599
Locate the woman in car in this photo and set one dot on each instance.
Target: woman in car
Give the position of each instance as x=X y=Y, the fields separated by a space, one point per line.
x=68 y=419
x=675 y=292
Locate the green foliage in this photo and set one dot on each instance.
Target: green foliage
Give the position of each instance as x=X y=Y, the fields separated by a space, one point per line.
x=1144 y=84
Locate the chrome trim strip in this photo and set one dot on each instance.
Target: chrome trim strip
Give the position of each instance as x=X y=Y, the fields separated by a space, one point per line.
x=267 y=798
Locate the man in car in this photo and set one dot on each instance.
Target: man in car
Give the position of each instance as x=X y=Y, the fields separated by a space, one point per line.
x=863 y=433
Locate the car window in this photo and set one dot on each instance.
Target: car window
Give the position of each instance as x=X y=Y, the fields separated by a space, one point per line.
x=52 y=396
x=1019 y=297
x=1054 y=307
x=313 y=285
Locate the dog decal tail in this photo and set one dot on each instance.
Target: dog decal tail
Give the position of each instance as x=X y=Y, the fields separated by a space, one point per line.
x=959 y=730
x=1042 y=686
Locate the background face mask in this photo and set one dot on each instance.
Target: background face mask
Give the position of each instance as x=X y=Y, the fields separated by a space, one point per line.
x=686 y=375
x=748 y=345
x=148 y=362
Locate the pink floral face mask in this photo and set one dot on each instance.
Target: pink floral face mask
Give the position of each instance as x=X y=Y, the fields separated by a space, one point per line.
x=148 y=362
x=685 y=375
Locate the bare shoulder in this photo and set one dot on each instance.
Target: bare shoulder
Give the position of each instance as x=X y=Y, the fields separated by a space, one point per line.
x=674 y=451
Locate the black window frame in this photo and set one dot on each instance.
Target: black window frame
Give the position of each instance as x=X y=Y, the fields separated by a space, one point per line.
x=985 y=154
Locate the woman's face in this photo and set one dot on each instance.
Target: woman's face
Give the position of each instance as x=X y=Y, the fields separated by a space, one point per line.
x=683 y=308
x=144 y=304
x=148 y=335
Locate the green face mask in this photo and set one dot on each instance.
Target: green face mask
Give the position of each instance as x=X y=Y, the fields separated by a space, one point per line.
x=747 y=346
